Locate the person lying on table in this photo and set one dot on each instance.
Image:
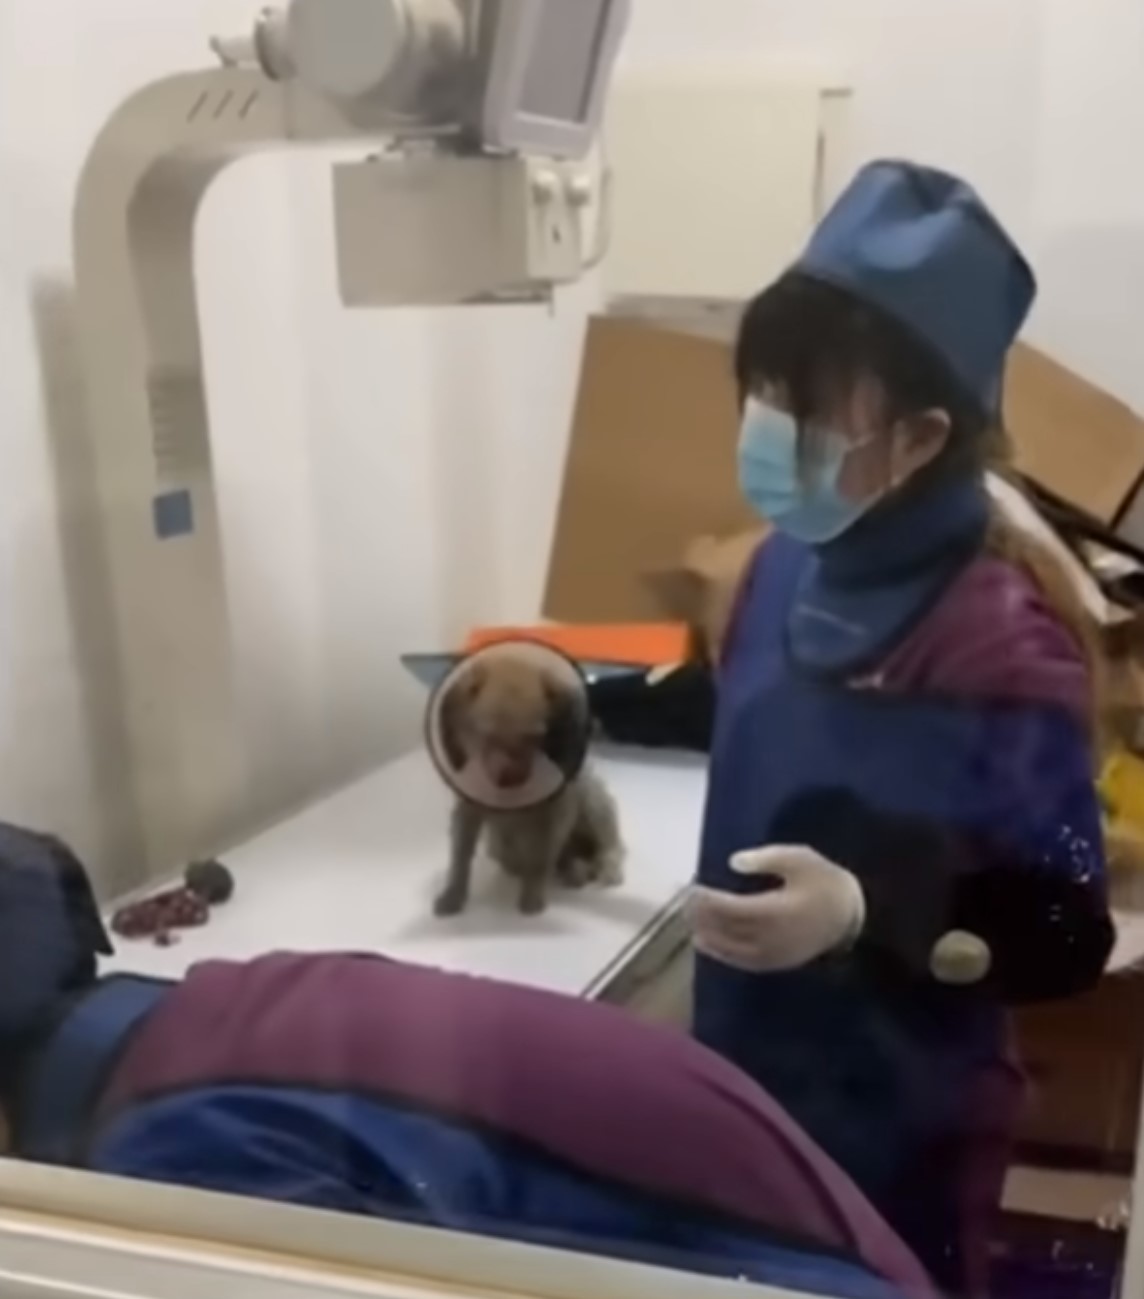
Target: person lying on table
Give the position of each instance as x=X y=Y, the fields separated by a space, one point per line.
x=350 y=1082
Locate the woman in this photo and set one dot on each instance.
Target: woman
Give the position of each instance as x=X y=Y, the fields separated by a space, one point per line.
x=902 y=836
x=352 y=1083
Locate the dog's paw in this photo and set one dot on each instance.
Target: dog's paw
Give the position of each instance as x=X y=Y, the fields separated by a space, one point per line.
x=611 y=870
x=532 y=902
x=450 y=903
x=578 y=873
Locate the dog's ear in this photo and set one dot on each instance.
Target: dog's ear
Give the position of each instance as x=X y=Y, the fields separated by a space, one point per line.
x=566 y=736
x=451 y=711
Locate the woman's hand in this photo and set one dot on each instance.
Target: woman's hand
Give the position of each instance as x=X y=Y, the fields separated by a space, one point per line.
x=814 y=908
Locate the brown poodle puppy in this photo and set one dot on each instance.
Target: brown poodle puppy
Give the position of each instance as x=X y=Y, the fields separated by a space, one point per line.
x=512 y=731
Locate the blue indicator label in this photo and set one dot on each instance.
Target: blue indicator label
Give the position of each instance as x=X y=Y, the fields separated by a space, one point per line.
x=174 y=515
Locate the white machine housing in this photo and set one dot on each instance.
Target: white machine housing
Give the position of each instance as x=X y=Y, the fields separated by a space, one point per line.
x=499 y=227
x=473 y=192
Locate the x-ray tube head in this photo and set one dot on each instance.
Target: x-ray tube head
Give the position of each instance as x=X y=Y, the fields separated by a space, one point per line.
x=548 y=66
x=404 y=54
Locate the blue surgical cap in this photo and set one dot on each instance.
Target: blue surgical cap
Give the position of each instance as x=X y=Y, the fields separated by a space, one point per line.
x=921 y=246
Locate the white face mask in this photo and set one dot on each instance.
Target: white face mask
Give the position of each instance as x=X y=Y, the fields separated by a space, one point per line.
x=807 y=505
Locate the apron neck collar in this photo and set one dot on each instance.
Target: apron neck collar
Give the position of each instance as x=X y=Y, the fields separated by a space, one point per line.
x=859 y=596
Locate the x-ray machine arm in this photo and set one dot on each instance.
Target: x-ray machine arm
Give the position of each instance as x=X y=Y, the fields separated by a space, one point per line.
x=480 y=114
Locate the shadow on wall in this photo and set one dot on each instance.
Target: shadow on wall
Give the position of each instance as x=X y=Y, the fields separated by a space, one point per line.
x=465 y=457
x=505 y=385
x=88 y=587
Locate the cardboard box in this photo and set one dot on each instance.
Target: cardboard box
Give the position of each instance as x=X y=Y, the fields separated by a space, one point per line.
x=1083 y=1060
x=1082 y=444
x=651 y=465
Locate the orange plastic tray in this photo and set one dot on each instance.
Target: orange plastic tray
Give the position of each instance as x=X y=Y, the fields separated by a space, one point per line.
x=640 y=644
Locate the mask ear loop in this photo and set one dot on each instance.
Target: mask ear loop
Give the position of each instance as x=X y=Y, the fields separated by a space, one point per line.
x=845 y=449
x=896 y=478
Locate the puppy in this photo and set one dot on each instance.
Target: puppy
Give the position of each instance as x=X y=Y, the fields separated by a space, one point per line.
x=510 y=726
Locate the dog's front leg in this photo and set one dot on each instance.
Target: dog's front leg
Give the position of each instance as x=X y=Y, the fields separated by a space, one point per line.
x=534 y=890
x=464 y=833
x=539 y=857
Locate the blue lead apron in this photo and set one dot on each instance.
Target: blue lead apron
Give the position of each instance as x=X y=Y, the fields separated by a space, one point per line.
x=880 y=1068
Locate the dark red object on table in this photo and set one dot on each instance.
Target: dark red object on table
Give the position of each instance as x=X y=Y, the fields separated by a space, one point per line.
x=187 y=906
x=177 y=908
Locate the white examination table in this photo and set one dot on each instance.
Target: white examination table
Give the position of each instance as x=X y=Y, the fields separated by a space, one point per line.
x=359 y=871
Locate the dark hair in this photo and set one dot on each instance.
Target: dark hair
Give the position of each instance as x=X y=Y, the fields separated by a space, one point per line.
x=817 y=341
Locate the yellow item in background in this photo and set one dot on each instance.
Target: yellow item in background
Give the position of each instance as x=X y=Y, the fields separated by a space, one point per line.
x=1121 y=788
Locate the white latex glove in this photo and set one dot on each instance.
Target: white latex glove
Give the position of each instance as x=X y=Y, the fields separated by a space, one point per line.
x=817 y=908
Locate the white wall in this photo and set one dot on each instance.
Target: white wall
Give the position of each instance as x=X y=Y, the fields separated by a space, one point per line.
x=1089 y=198
x=951 y=81
x=388 y=479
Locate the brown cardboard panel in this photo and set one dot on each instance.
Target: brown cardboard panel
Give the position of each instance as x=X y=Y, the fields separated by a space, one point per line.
x=1084 y=1064
x=651 y=465
x=1072 y=437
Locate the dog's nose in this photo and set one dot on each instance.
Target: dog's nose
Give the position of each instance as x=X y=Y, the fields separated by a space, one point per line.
x=511 y=778
x=508 y=767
